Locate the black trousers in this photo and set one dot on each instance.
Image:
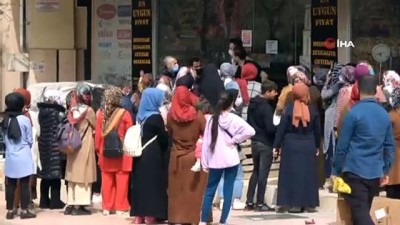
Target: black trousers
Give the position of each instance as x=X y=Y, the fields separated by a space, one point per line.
x=360 y=200
x=50 y=188
x=25 y=192
x=262 y=160
x=96 y=186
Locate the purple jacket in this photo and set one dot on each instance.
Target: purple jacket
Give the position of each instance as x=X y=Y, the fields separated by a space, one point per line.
x=225 y=154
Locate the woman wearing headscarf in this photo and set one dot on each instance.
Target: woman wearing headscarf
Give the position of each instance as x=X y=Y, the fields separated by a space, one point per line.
x=391 y=80
x=187 y=81
x=329 y=95
x=300 y=126
x=19 y=163
x=210 y=84
x=81 y=164
x=149 y=187
x=185 y=188
x=51 y=115
x=393 y=187
x=115 y=171
x=27 y=104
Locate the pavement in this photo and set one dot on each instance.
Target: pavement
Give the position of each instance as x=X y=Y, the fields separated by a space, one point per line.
x=324 y=217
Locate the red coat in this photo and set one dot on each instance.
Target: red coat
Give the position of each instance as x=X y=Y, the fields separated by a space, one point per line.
x=123 y=163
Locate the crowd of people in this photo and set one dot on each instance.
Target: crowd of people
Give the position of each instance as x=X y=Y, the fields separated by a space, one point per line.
x=193 y=121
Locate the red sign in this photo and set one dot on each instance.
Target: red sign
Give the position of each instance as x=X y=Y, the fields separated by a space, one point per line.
x=330 y=43
x=124 y=34
x=106 y=11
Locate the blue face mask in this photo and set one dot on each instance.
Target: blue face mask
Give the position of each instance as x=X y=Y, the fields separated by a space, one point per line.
x=175 y=69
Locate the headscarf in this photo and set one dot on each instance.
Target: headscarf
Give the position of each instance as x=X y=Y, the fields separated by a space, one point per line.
x=182 y=107
x=112 y=100
x=302 y=77
x=150 y=103
x=27 y=101
x=84 y=94
x=395 y=98
x=15 y=103
x=290 y=72
x=185 y=80
x=210 y=84
x=79 y=103
x=391 y=80
x=52 y=97
x=335 y=75
x=301 y=97
x=347 y=74
x=227 y=70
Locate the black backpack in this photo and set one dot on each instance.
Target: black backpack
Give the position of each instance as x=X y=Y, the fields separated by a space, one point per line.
x=112 y=143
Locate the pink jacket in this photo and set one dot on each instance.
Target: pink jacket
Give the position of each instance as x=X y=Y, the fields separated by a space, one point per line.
x=199 y=143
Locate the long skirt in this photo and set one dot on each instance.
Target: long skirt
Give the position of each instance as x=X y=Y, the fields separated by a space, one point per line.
x=298 y=184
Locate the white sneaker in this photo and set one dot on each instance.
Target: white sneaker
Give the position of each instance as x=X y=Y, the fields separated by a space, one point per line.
x=122 y=213
x=196 y=167
x=96 y=199
x=238 y=205
x=106 y=212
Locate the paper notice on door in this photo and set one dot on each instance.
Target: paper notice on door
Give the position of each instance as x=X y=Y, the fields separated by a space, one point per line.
x=380 y=214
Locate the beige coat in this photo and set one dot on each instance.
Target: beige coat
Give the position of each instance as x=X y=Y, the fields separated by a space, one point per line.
x=81 y=165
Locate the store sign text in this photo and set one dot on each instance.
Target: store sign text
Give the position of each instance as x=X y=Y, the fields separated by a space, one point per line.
x=106 y=11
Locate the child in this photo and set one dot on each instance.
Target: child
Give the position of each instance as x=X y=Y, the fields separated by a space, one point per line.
x=204 y=106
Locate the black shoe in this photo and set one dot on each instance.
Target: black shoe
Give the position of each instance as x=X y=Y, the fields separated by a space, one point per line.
x=263 y=208
x=83 y=208
x=68 y=210
x=81 y=212
x=249 y=207
x=10 y=215
x=44 y=203
x=57 y=204
x=27 y=215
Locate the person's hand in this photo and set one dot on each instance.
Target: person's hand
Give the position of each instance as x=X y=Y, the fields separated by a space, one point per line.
x=317 y=153
x=384 y=180
x=205 y=170
x=333 y=178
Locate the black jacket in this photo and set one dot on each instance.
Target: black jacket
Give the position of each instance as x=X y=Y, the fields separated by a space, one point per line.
x=260 y=117
x=50 y=117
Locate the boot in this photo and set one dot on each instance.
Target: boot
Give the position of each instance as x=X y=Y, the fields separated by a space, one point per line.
x=55 y=201
x=25 y=214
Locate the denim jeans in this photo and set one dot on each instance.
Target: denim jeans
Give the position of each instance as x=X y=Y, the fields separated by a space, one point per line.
x=262 y=160
x=214 y=177
x=237 y=187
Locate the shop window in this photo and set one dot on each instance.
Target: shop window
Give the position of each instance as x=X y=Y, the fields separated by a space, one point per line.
x=202 y=28
x=376 y=22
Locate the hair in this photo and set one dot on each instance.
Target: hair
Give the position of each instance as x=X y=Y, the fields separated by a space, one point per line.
x=367 y=85
x=225 y=101
x=240 y=52
x=68 y=99
x=236 y=41
x=168 y=59
x=194 y=59
x=267 y=86
x=204 y=106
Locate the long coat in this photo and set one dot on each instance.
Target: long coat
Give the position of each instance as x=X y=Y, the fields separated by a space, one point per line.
x=394 y=174
x=185 y=188
x=50 y=117
x=81 y=165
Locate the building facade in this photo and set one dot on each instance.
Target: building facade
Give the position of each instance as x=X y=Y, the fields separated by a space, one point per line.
x=105 y=40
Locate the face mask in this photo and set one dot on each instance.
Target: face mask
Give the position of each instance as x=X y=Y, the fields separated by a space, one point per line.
x=230 y=52
x=175 y=69
x=226 y=80
x=199 y=72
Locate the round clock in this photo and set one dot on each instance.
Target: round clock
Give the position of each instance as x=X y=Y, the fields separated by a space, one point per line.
x=381 y=53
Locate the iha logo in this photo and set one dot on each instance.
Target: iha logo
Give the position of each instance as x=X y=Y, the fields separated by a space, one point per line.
x=331 y=43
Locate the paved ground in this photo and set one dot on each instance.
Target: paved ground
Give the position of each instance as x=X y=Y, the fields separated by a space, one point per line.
x=236 y=218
